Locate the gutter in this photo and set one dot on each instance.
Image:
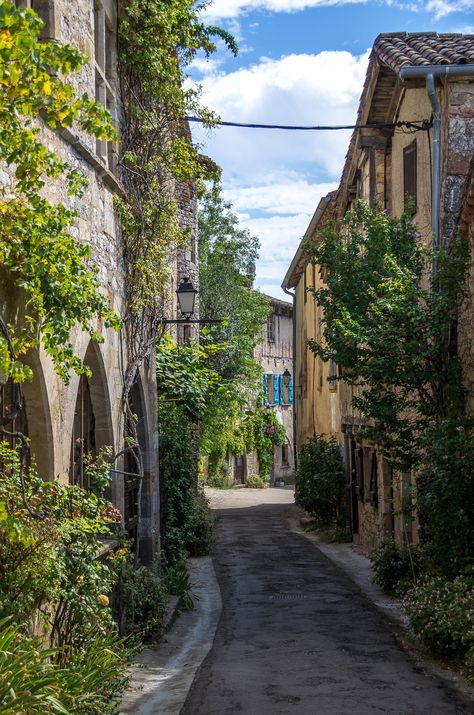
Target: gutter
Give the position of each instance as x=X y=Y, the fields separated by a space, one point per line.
x=429 y=73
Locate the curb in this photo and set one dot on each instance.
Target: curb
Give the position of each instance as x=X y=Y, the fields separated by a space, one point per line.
x=172 y=612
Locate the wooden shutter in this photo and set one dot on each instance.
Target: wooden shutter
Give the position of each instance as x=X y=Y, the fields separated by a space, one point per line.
x=276 y=389
x=265 y=389
x=409 y=175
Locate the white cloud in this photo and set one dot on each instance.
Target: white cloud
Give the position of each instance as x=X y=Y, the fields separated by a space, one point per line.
x=290 y=197
x=223 y=9
x=297 y=89
x=231 y=9
x=441 y=8
x=273 y=178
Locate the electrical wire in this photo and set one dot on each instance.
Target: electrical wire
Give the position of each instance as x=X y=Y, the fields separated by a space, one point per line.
x=415 y=126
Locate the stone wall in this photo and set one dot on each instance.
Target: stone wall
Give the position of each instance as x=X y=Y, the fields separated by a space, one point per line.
x=51 y=404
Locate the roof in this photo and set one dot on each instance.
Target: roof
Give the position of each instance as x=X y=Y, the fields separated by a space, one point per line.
x=383 y=87
x=417 y=49
x=278 y=302
x=300 y=259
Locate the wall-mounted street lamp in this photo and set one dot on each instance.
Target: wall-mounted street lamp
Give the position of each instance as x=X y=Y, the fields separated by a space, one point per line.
x=186 y=294
x=286 y=377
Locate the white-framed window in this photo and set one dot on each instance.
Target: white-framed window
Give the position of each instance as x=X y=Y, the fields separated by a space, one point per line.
x=105 y=63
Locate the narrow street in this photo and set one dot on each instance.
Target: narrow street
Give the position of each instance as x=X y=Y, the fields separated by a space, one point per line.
x=296 y=635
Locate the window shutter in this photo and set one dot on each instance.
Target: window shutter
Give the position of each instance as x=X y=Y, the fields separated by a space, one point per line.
x=290 y=391
x=409 y=174
x=276 y=389
x=280 y=389
x=265 y=389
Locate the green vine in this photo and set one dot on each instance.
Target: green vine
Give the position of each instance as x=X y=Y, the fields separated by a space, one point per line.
x=39 y=258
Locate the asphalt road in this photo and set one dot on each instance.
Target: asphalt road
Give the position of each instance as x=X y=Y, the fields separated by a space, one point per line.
x=296 y=635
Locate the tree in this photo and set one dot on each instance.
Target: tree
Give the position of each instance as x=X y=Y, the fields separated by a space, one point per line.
x=227 y=256
x=389 y=329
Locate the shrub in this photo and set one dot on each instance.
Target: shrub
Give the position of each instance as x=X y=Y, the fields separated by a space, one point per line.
x=200 y=528
x=33 y=683
x=255 y=481
x=27 y=679
x=441 y=614
x=395 y=568
x=140 y=601
x=177 y=581
x=187 y=525
x=445 y=497
x=320 y=480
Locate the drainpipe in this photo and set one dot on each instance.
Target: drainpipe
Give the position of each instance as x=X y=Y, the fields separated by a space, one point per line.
x=293 y=298
x=429 y=73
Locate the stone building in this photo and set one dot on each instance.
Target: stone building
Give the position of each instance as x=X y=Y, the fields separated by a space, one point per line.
x=65 y=422
x=427 y=80
x=275 y=354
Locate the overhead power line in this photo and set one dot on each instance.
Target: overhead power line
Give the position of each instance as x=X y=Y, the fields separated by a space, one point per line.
x=417 y=125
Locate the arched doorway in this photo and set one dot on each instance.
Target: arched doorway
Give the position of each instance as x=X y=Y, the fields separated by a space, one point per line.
x=92 y=423
x=138 y=497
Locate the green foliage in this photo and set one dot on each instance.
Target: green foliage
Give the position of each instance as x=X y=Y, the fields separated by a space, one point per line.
x=440 y=613
x=233 y=422
x=177 y=581
x=159 y=163
x=255 y=481
x=187 y=527
x=183 y=374
x=227 y=256
x=37 y=253
x=27 y=678
x=320 y=480
x=140 y=600
x=388 y=328
x=445 y=497
x=395 y=568
x=49 y=565
x=32 y=682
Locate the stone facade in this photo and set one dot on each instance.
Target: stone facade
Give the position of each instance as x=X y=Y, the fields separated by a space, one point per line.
x=64 y=421
x=275 y=355
x=379 y=164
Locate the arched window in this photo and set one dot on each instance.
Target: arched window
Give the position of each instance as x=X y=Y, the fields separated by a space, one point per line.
x=20 y=422
x=83 y=440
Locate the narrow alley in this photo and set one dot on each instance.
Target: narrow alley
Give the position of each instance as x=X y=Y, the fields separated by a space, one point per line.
x=296 y=635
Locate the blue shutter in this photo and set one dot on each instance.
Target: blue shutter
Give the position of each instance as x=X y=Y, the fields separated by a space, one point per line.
x=265 y=389
x=290 y=391
x=276 y=389
x=280 y=389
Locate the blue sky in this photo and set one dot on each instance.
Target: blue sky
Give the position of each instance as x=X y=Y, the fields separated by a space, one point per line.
x=304 y=62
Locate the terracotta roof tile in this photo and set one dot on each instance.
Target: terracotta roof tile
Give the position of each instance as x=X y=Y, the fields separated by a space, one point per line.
x=404 y=49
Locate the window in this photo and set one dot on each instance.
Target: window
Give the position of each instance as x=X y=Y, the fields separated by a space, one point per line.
x=332 y=375
x=105 y=64
x=271 y=328
x=409 y=175
x=45 y=9
x=8 y=396
x=284 y=456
